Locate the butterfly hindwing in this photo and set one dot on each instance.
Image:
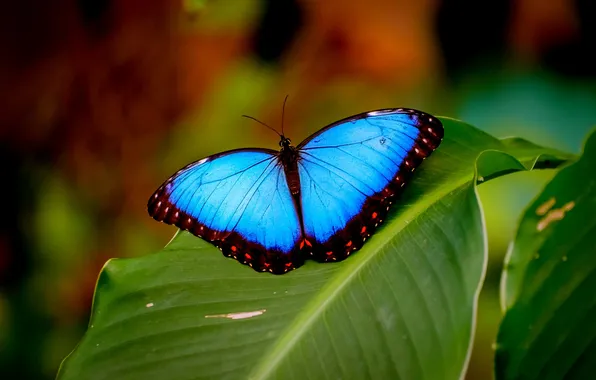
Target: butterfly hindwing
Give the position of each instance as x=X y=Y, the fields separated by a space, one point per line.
x=352 y=170
x=238 y=200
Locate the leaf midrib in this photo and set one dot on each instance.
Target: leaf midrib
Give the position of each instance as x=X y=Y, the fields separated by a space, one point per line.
x=320 y=303
x=316 y=307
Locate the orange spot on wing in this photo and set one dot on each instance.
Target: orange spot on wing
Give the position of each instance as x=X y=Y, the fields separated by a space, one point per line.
x=329 y=253
x=305 y=242
x=374 y=215
x=233 y=248
x=363 y=230
x=248 y=256
x=288 y=265
x=349 y=244
x=267 y=265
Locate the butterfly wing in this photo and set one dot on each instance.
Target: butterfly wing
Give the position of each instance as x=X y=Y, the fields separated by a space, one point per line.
x=238 y=200
x=352 y=170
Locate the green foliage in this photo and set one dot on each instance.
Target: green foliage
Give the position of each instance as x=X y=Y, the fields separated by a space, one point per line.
x=402 y=307
x=549 y=282
x=216 y=15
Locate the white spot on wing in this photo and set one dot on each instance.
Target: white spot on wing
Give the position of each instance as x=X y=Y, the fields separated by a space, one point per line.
x=150 y=304
x=380 y=112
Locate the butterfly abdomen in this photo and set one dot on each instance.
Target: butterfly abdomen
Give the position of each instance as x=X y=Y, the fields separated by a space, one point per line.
x=289 y=159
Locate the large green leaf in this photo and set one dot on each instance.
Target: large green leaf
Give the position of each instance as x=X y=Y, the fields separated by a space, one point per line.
x=403 y=307
x=549 y=282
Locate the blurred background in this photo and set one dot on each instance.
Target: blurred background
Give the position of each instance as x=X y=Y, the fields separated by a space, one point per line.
x=102 y=100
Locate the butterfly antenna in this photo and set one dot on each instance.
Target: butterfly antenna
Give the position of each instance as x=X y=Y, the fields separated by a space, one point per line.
x=260 y=122
x=283 y=111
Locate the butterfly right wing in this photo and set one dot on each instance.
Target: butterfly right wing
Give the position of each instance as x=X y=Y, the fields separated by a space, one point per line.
x=352 y=170
x=239 y=201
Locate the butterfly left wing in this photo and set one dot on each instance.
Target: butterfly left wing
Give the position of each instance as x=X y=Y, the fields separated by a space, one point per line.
x=352 y=170
x=239 y=201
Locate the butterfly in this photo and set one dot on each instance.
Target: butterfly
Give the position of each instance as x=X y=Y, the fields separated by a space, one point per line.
x=322 y=199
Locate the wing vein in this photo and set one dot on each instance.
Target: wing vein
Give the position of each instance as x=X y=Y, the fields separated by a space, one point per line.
x=189 y=172
x=339 y=169
x=340 y=145
x=323 y=189
x=370 y=166
x=254 y=193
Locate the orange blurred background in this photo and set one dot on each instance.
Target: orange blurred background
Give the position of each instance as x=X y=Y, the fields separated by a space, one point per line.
x=101 y=100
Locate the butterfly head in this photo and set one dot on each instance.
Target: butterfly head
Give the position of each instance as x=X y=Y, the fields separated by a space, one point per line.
x=285 y=142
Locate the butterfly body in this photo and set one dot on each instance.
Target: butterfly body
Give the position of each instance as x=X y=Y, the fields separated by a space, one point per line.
x=321 y=199
x=289 y=157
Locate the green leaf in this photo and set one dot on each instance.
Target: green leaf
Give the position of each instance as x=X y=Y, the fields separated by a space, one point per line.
x=549 y=281
x=402 y=307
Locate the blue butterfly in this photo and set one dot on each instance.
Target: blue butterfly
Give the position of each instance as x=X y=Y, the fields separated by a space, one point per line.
x=321 y=199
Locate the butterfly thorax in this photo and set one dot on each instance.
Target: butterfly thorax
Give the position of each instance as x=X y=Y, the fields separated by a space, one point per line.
x=288 y=155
